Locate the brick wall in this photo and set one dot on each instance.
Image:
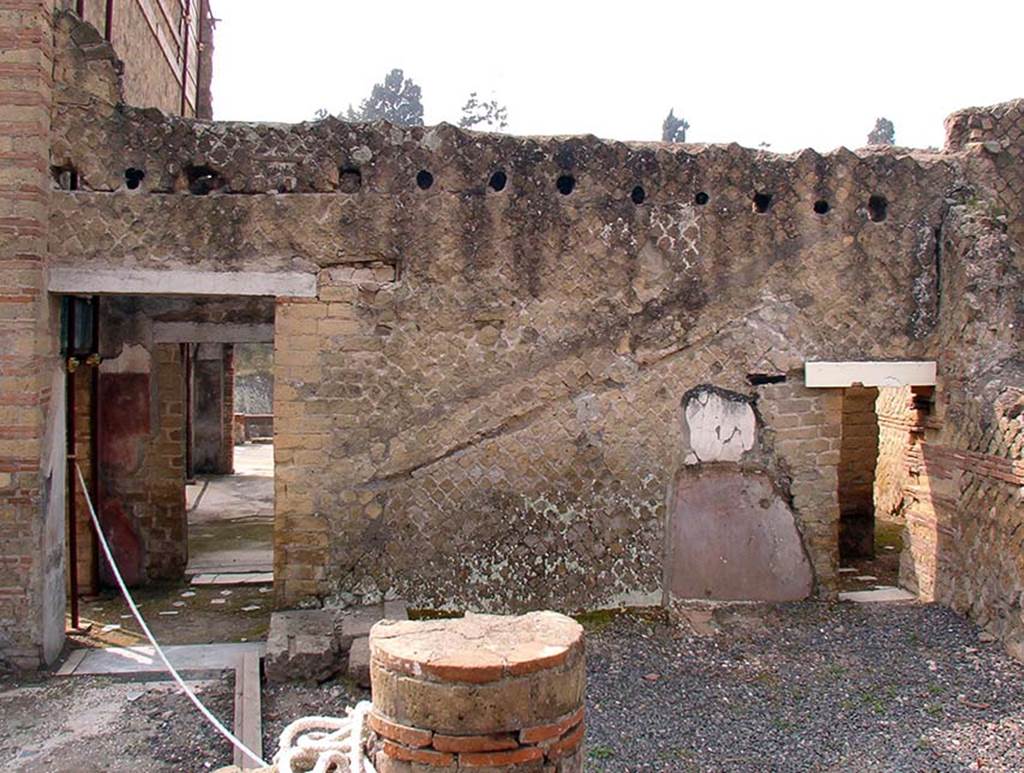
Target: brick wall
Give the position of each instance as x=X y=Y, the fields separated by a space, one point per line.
x=858 y=456
x=31 y=380
x=149 y=38
x=965 y=520
x=165 y=525
x=896 y=419
x=806 y=425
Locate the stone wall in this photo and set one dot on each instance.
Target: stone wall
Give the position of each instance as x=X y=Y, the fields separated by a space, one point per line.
x=32 y=467
x=965 y=518
x=486 y=403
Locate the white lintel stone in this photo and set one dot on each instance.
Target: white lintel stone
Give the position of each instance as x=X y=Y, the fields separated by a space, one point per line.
x=138 y=281
x=869 y=373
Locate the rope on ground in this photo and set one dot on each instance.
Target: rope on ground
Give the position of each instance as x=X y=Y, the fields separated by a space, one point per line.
x=325 y=743
x=152 y=640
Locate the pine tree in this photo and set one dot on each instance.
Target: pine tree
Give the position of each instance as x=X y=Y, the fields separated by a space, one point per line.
x=397 y=100
x=884 y=133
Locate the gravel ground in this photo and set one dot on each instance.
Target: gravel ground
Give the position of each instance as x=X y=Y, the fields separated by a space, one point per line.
x=803 y=687
x=799 y=687
x=284 y=703
x=91 y=724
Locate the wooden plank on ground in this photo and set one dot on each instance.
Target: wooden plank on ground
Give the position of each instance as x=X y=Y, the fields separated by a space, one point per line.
x=248 y=708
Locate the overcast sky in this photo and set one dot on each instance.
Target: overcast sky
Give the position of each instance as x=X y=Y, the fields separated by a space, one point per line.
x=787 y=72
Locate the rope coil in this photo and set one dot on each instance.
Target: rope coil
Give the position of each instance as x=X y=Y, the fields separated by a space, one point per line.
x=325 y=743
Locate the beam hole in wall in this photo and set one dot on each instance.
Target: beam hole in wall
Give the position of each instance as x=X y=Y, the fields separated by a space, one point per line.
x=424 y=179
x=65 y=177
x=202 y=179
x=498 y=181
x=762 y=202
x=350 y=179
x=759 y=379
x=878 y=208
x=133 y=177
x=566 y=184
x=638 y=195
x=701 y=199
x=821 y=207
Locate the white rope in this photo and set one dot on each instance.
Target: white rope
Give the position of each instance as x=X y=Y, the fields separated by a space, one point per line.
x=325 y=743
x=152 y=640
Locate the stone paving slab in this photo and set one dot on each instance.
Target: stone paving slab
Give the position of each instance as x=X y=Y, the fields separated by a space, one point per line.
x=143 y=659
x=881 y=593
x=233 y=578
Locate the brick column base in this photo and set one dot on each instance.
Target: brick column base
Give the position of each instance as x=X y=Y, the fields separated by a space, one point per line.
x=487 y=692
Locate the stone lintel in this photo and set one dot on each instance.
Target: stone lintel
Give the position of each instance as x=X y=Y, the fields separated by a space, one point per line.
x=85 y=281
x=869 y=373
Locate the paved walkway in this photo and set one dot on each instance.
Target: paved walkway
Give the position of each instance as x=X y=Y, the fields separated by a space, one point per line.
x=231 y=517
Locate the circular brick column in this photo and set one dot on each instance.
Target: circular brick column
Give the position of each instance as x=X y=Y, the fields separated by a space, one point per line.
x=484 y=692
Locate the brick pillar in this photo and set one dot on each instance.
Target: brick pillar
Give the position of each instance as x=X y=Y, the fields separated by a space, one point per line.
x=87 y=568
x=165 y=527
x=302 y=424
x=32 y=479
x=227 y=412
x=858 y=456
x=484 y=691
x=213 y=401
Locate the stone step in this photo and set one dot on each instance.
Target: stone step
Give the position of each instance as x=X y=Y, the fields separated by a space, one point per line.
x=318 y=644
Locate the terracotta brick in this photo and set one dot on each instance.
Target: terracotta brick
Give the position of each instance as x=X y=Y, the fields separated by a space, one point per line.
x=421 y=756
x=404 y=734
x=474 y=743
x=567 y=744
x=519 y=756
x=551 y=730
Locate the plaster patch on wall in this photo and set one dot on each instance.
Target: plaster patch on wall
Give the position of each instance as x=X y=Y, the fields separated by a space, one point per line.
x=134 y=358
x=654 y=275
x=716 y=427
x=676 y=230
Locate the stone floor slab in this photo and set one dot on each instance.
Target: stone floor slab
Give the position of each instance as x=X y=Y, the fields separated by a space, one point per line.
x=143 y=659
x=877 y=595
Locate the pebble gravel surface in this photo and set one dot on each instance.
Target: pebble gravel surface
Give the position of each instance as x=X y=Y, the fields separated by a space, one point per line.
x=803 y=687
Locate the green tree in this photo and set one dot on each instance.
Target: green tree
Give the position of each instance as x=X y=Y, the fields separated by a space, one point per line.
x=674 y=129
x=486 y=115
x=397 y=100
x=884 y=133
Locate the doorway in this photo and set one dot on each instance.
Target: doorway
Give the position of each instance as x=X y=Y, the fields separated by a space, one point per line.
x=230 y=489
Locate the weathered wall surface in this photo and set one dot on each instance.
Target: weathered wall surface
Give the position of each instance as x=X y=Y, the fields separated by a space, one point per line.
x=483 y=406
x=965 y=515
x=31 y=380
